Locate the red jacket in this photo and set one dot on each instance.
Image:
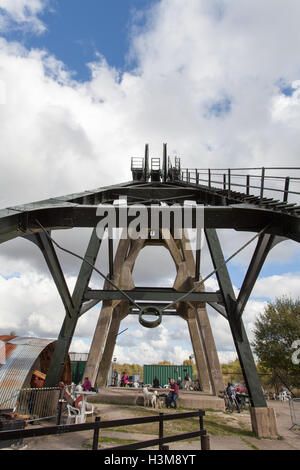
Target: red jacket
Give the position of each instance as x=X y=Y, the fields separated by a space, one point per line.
x=174 y=388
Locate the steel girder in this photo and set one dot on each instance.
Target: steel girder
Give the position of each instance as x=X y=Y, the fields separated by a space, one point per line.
x=246 y=218
x=235 y=322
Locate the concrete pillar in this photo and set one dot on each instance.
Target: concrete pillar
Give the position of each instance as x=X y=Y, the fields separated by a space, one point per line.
x=103 y=339
x=264 y=422
x=214 y=367
x=201 y=363
x=98 y=343
x=207 y=361
x=119 y=313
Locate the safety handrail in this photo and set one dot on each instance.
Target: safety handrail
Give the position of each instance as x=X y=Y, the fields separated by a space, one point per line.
x=261 y=182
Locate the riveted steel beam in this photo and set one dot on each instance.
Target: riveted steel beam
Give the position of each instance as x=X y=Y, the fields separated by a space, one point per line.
x=264 y=244
x=49 y=253
x=152 y=295
x=66 y=333
x=240 y=217
x=238 y=331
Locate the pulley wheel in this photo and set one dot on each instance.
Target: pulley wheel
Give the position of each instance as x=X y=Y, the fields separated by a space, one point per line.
x=150 y=310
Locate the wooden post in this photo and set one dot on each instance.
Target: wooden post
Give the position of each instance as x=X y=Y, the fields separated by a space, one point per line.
x=204 y=440
x=96 y=434
x=161 y=430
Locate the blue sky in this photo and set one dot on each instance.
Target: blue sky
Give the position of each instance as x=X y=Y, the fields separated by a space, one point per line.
x=77 y=31
x=213 y=79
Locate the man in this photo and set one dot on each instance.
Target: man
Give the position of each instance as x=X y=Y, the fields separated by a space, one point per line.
x=231 y=392
x=37 y=381
x=173 y=394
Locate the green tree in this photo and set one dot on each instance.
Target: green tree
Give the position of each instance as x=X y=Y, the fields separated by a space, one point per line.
x=232 y=371
x=276 y=329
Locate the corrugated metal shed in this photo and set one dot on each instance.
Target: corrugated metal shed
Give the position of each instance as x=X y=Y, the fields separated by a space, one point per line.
x=78 y=363
x=78 y=356
x=21 y=355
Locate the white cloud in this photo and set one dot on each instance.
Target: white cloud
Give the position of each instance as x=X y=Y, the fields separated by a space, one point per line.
x=30 y=305
x=278 y=286
x=23 y=14
x=79 y=346
x=227 y=356
x=286 y=109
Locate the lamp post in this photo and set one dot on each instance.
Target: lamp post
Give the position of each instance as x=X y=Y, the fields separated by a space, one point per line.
x=115 y=380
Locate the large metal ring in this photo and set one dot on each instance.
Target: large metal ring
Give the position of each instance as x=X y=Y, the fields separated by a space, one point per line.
x=150 y=310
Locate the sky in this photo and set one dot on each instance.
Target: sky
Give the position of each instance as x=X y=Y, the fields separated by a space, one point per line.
x=83 y=87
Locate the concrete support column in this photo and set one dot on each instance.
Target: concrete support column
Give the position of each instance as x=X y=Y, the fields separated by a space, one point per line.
x=207 y=361
x=104 y=339
x=99 y=341
x=264 y=422
x=214 y=368
x=119 y=313
x=198 y=353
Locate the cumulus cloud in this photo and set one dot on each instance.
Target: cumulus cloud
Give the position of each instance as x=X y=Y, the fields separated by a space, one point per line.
x=22 y=14
x=278 y=286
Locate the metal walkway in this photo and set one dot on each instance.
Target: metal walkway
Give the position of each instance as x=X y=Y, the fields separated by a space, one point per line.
x=258 y=186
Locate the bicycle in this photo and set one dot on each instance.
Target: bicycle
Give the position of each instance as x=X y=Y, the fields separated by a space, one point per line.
x=231 y=403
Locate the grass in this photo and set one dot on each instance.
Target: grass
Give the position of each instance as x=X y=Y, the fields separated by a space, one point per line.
x=252 y=446
x=216 y=423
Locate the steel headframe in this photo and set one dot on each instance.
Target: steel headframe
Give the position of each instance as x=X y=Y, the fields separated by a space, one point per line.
x=272 y=220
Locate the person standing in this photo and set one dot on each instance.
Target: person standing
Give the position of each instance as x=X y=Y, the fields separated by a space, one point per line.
x=155 y=382
x=179 y=383
x=37 y=381
x=124 y=380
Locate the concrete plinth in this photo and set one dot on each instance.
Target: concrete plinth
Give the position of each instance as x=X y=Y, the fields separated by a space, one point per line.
x=264 y=422
x=132 y=396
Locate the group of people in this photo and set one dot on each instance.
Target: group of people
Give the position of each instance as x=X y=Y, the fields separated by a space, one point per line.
x=179 y=382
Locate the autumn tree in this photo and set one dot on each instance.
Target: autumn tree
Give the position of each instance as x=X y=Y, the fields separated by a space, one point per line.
x=232 y=371
x=277 y=330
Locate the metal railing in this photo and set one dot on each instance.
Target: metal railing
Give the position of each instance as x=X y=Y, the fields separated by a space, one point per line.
x=97 y=425
x=295 y=411
x=36 y=403
x=137 y=163
x=261 y=182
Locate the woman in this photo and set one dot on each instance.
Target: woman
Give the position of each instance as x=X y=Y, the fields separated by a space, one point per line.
x=86 y=385
x=124 y=380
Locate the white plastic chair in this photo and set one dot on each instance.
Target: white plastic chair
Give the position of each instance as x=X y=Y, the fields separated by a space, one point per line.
x=85 y=412
x=73 y=413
